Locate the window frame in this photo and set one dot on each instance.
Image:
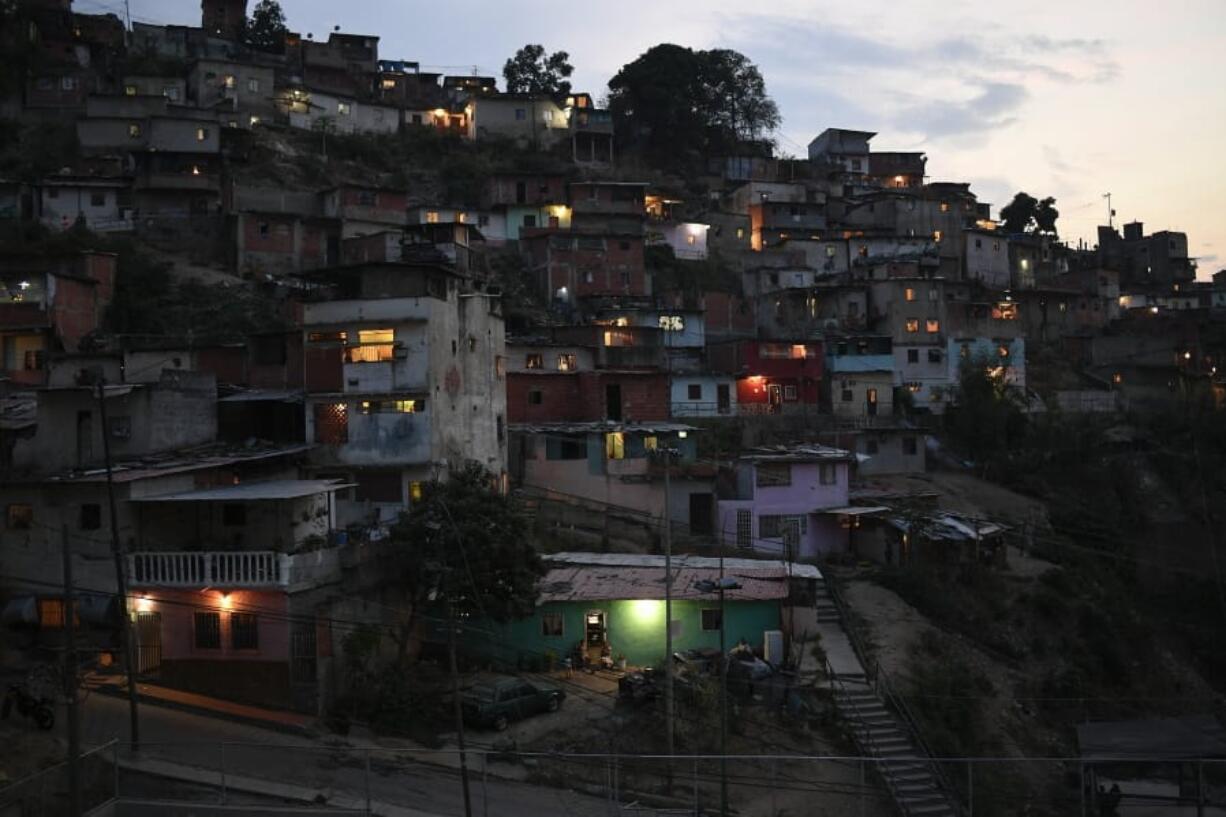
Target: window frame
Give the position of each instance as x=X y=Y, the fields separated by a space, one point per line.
x=706 y=613
x=214 y=632
x=548 y=620
x=248 y=626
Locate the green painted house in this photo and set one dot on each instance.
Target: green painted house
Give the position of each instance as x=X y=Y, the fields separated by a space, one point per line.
x=598 y=599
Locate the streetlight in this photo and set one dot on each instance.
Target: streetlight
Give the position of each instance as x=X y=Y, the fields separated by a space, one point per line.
x=721 y=586
x=666 y=453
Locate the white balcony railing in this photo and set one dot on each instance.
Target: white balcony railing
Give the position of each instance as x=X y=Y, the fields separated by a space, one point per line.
x=261 y=568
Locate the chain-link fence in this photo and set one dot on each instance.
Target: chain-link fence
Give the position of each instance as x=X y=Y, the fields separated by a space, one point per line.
x=314 y=779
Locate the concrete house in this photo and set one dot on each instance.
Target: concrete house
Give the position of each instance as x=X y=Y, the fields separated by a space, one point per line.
x=404 y=371
x=788 y=502
x=860 y=376
x=613 y=605
x=242 y=93
x=104 y=205
x=773 y=376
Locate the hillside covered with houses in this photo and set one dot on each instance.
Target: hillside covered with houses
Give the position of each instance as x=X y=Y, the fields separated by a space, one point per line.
x=264 y=295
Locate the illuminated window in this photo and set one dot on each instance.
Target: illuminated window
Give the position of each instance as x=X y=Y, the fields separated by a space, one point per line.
x=912 y=324
x=533 y=362
x=325 y=337
x=331 y=423
x=932 y=326
x=388 y=84
x=129 y=90
x=432 y=217
x=615 y=445
x=672 y=323
x=202 y=134
x=375 y=346
x=1003 y=350
x=228 y=80
x=936 y=236
x=134 y=130
x=566 y=362
x=415 y=491
x=1117 y=378
x=343 y=109
x=909 y=294
x=740 y=232
x=393 y=406
x=51 y=614
x=799 y=352
x=651 y=443
x=1006 y=311
x=944 y=207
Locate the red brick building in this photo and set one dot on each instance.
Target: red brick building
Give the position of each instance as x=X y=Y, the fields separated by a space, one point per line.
x=47 y=306
x=529 y=189
x=773 y=376
x=565 y=383
x=572 y=265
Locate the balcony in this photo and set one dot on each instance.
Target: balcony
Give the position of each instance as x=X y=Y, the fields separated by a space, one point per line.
x=178 y=181
x=199 y=569
x=24 y=315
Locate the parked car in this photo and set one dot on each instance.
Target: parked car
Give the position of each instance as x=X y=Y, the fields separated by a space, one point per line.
x=494 y=704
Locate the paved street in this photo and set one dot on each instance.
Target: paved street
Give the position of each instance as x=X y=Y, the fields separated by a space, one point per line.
x=194 y=740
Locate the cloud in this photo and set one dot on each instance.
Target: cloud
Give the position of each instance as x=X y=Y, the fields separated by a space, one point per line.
x=990 y=108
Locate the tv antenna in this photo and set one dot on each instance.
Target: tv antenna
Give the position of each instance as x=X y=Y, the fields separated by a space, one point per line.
x=1110 y=211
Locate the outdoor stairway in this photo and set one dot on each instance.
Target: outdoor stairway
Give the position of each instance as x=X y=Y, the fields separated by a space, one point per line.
x=827 y=610
x=908 y=774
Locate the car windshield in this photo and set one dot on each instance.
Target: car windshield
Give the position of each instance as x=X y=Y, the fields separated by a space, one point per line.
x=481 y=692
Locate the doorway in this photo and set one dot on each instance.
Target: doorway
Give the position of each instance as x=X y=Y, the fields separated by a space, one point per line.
x=613 y=402
x=595 y=635
x=702 y=514
x=723 y=398
x=871 y=402
x=148 y=642
x=774 y=397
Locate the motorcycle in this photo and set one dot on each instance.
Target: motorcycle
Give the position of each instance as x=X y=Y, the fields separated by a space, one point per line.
x=40 y=710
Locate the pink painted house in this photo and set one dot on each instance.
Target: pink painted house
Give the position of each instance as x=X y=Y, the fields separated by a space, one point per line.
x=789 y=502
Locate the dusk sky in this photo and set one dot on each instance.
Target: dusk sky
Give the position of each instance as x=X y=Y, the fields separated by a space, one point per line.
x=1068 y=99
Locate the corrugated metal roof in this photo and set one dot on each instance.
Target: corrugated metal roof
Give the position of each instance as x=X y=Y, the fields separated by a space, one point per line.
x=854 y=510
x=270 y=395
x=796 y=453
x=599 y=427
x=795 y=569
x=252 y=491
x=598 y=583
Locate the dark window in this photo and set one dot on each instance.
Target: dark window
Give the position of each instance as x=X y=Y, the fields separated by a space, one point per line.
x=535 y=397
x=711 y=619
x=870 y=446
x=378 y=487
x=913 y=355
x=848 y=396
x=91 y=516
x=529 y=221
x=120 y=427
x=208 y=631
x=694 y=391
x=234 y=516
x=934 y=355
x=244 y=631
x=268 y=350
x=264 y=228
x=521 y=193
x=97 y=199
x=551 y=625
x=909 y=447
x=826 y=473
x=773 y=474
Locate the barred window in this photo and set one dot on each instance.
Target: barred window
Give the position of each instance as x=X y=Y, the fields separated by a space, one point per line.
x=551 y=625
x=208 y=631
x=244 y=631
x=773 y=474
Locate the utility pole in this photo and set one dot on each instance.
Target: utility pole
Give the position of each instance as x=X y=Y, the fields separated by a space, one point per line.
x=459 y=709
x=723 y=699
x=1110 y=212
x=121 y=579
x=70 y=683
x=669 y=701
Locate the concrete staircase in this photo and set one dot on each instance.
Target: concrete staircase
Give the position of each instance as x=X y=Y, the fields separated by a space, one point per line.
x=907 y=771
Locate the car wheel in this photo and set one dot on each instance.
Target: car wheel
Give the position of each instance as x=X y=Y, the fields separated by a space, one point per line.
x=500 y=723
x=553 y=704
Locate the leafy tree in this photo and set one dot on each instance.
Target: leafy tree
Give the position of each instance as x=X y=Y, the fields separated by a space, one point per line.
x=674 y=99
x=1026 y=214
x=531 y=71
x=985 y=420
x=462 y=544
x=265 y=30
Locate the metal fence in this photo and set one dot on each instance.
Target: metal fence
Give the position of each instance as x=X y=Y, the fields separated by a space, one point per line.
x=316 y=779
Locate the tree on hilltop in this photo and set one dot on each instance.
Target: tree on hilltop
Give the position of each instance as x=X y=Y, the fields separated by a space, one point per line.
x=265 y=29
x=532 y=71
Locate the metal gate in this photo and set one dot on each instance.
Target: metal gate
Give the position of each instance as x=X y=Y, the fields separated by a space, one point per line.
x=303 y=666
x=148 y=642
